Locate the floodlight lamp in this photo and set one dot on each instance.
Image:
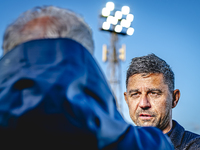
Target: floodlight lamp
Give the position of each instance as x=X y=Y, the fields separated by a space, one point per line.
x=106 y=26
x=118 y=28
x=129 y=17
x=118 y=14
x=109 y=19
x=114 y=21
x=105 y=12
x=130 y=31
x=110 y=6
x=125 y=10
x=125 y=23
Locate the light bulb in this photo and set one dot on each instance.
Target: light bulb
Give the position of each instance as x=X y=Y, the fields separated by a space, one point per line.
x=130 y=31
x=106 y=26
x=105 y=12
x=130 y=17
x=125 y=10
x=118 y=14
x=118 y=28
x=110 y=6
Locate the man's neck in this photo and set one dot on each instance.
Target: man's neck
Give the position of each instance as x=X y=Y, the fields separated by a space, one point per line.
x=168 y=127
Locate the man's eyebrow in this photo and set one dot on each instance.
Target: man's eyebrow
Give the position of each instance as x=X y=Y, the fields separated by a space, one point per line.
x=132 y=91
x=154 y=89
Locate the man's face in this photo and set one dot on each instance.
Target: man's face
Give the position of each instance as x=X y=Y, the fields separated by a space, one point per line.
x=149 y=101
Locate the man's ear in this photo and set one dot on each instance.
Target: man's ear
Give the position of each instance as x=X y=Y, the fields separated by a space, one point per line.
x=176 y=96
x=125 y=97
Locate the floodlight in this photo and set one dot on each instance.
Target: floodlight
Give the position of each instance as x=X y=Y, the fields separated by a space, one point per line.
x=105 y=12
x=118 y=14
x=118 y=28
x=114 y=21
x=129 y=17
x=130 y=31
x=110 y=6
x=125 y=10
x=106 y=26
x=125 y=23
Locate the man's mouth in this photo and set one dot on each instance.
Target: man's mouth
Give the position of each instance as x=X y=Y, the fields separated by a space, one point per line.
x=145 y=116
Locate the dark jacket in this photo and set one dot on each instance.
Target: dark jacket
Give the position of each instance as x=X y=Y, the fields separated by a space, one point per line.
x=54 y=95
x=183 y=140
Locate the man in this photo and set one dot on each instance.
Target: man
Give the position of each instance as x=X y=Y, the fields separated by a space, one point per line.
x=52 y=92
x=151 y=96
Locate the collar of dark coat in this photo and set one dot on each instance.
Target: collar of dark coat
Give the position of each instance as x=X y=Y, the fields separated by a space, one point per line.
x=176 y=134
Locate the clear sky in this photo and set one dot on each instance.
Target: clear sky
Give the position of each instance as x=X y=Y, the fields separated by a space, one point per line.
x=168 y=28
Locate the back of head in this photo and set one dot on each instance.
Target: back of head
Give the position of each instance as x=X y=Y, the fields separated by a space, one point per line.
x=48 y=22
x=151 y=64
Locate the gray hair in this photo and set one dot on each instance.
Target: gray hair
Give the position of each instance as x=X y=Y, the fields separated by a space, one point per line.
x=48 y=22
x=151 y=64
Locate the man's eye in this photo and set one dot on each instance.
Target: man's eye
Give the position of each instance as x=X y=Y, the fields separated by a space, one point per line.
x=134 y=94
x=154 y=93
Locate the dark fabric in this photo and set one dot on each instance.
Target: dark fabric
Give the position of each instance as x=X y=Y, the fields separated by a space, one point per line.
x=183 y=140
x=53 y=95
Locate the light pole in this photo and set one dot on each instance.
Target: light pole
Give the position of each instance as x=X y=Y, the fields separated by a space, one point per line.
x=116 y=22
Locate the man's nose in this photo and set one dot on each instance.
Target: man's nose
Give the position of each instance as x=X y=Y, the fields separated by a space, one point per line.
x=144 y=102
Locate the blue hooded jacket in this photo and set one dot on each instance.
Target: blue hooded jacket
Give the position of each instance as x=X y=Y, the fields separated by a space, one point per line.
x=53 y=94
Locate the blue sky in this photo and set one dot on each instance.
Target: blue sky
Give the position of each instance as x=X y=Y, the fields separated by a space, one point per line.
x=168 y=28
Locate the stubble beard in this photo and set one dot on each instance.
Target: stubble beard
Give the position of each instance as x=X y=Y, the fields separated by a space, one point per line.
x=160 y=123
x=147 y=122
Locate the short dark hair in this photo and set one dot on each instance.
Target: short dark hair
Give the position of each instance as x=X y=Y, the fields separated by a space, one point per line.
x=151 y=64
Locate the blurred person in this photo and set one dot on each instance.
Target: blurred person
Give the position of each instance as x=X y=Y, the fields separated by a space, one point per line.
x=54 y=95
x=150 y=96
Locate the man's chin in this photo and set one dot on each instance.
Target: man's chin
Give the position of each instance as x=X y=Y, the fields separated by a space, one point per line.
x=145 y=123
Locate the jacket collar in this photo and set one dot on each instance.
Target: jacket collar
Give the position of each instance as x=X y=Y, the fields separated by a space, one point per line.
x=43 y=52
x=176 y=134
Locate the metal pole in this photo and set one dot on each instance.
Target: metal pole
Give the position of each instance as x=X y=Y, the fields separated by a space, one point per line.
x=114 y=70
